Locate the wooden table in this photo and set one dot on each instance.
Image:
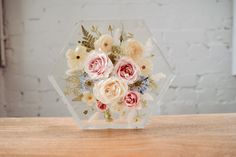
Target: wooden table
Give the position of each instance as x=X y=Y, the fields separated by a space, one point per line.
x=182 y=136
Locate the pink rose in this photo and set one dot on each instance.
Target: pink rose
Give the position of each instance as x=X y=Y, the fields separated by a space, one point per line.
x=101 y=106
x=131 y=99
x=127 y=70
x=98 y=65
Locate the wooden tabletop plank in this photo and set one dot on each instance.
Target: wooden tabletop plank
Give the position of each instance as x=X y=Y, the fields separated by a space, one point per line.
x=167 y=136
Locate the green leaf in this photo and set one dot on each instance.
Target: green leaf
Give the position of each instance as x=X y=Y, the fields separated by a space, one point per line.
x=108 y=116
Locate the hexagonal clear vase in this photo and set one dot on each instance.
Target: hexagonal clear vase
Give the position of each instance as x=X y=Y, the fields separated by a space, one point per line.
x=123 y=115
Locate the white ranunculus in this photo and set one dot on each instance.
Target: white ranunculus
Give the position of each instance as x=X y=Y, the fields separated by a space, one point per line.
x=104 y=43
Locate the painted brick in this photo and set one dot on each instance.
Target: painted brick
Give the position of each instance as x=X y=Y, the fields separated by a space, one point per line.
x=194 y=35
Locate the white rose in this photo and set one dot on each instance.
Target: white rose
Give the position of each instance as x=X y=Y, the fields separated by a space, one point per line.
x=110 y=90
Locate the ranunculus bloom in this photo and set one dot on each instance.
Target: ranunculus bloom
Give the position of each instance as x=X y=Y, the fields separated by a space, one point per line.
x=127 y=70
x=76 y=59
x=132 y=99
x=98 y=65
x=88 y=98
x=104 y=43
x=145 y=66
x=133 y=49
x=101 y=106
x=110 y=90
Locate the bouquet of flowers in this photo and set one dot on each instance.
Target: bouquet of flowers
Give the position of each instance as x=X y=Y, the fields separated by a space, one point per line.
x=112 y=73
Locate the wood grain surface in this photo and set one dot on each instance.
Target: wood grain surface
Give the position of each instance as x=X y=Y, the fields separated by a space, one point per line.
x=167 y=136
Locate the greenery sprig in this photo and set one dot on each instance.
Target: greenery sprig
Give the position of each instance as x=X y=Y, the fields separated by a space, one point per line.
x=88 y=39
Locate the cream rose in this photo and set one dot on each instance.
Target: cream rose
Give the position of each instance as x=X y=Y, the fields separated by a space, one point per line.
x=132 y=99
x=110 y=90
x=133 y=49
x=104 y=43
x=98 y=65
x=127 y=70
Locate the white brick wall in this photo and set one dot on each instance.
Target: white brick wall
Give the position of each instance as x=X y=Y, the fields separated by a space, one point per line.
x=2 y=96
x=195 y=35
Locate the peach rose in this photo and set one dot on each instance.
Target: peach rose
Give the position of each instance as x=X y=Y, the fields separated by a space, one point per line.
x=98 y=65
x=133 y=49
x=110 y=90
x=127 y=70
x=132 y=99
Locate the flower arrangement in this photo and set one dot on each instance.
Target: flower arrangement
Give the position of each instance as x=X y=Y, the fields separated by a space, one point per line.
x=112 y=73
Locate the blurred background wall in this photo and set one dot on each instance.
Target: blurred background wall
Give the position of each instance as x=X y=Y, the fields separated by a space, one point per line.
x=195 y=36
x=2 y=96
